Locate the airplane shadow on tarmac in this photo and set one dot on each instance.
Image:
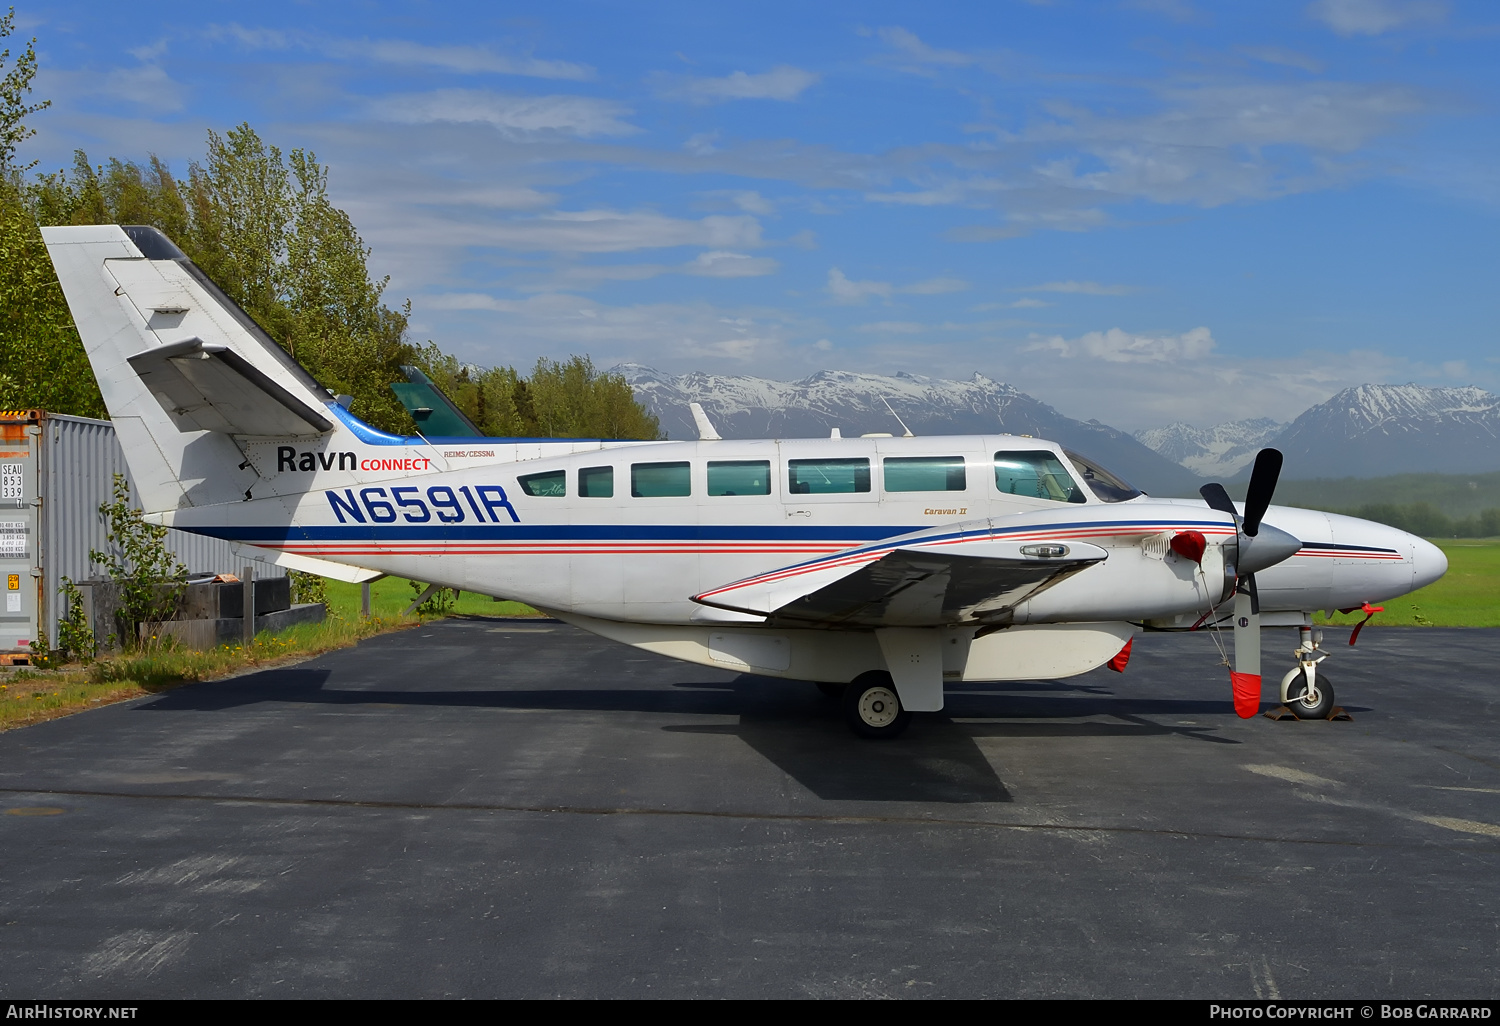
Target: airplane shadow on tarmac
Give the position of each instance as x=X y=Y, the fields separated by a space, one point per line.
x=790 y=723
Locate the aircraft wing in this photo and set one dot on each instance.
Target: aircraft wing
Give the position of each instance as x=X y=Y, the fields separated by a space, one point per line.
x=940 y=583
x=208 y=387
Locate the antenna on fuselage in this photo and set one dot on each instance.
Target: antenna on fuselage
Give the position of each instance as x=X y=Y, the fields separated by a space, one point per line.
x=905 y=431
x=706 y=430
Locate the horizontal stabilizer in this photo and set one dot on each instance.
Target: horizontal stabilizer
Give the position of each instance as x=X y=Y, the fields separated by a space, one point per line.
x=206 y=387
x=977 y=582
x=309 y=564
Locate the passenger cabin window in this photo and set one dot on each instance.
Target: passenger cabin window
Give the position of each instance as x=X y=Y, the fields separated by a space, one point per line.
x=1101 y=482
x=660 y=480
x=552 y=483
x=827 y=477
x=596 y=482
x=924 y=474
x=1036 y=475
x=739 y=477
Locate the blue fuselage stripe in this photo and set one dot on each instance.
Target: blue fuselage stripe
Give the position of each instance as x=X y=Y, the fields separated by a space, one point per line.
x=849 y=534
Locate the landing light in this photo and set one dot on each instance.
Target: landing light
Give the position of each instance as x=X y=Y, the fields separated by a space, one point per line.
x=1046 y=551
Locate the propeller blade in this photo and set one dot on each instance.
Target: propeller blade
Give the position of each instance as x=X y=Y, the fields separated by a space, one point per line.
x=1262 y=487
x=1245 y=676
x=1217 y=498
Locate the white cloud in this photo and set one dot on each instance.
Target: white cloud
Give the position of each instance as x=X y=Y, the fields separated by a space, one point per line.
x=1117 y=346
x=660 y=334
x=1334 y=116
x=1220 y=143
x=748 y=200
x=843 y=289
x=513 y=115
x=464 y=60
x=954 y=192
x=495 y=197
x=725 y=264
x=894 y=327
x=935 y=286
x=911 y=48
x=1284 y=57
x=782 y=82
x=606 y=231
x=148 y=86
x=1087 y=288
x=149 y=53
x=1373 y=17
x=702 y=144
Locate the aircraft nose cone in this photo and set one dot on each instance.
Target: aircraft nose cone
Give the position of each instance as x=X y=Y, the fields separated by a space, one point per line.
x=1428 y=562
x=1267 y=548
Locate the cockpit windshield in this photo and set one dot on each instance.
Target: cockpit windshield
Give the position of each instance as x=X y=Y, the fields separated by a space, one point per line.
x=1101 y=482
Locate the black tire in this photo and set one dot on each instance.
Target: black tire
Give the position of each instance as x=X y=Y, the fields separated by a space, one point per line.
x=872 y=707
x=831 y=690
x=1318 y=710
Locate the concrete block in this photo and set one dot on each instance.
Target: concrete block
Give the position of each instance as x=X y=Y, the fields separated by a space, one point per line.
x=205 y=633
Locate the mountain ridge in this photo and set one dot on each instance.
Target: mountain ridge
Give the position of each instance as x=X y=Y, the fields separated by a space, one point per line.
x=1365 y=431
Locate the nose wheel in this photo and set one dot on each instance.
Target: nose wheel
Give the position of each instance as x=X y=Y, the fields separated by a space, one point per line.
x=872 y=708
x=1305 y=691
x=1309 y=698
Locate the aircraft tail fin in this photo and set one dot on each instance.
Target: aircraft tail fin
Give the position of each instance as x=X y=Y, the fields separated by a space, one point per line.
x=184 y=371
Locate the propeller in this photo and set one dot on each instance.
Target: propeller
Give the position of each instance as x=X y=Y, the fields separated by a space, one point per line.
x=1257 y=546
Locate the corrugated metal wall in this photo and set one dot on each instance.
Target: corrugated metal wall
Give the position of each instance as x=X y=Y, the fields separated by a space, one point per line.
x=79 y=460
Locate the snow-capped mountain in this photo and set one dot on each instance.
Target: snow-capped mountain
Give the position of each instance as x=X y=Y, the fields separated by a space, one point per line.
x=1374 y=430
x=1217 y=452
x=742 y=406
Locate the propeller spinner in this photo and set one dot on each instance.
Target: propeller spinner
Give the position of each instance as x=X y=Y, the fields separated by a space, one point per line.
x=1257 y=546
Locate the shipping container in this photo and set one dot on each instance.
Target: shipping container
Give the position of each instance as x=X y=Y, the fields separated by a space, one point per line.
x=55 y=473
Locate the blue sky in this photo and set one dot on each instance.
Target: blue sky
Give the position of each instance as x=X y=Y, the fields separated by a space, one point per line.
x=1137 y=211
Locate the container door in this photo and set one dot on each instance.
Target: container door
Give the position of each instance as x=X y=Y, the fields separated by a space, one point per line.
x=18 y=539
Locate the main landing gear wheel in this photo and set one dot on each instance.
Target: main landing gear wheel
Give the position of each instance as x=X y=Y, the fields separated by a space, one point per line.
x=873 y=708
x=831 y=690
x=1297 y=697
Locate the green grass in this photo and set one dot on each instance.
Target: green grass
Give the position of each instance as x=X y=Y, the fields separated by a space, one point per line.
x=32 y=695
x=389 y=596
x=1468 y=595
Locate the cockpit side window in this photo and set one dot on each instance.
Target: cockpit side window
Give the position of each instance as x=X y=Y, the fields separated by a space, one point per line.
x=1037 y=474
x=1108 y=487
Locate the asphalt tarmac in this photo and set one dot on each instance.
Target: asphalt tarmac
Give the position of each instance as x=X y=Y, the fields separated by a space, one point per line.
x=487 y=808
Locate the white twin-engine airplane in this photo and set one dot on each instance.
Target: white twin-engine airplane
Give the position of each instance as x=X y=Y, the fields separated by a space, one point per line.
x=879 y=567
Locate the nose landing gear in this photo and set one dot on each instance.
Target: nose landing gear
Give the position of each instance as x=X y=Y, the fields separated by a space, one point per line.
x=1307 y=694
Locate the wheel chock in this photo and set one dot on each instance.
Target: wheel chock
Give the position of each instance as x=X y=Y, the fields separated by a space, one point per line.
x=1281 y=712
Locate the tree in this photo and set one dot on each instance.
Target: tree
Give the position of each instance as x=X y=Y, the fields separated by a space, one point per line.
x=568 y=399
x=14 y=85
